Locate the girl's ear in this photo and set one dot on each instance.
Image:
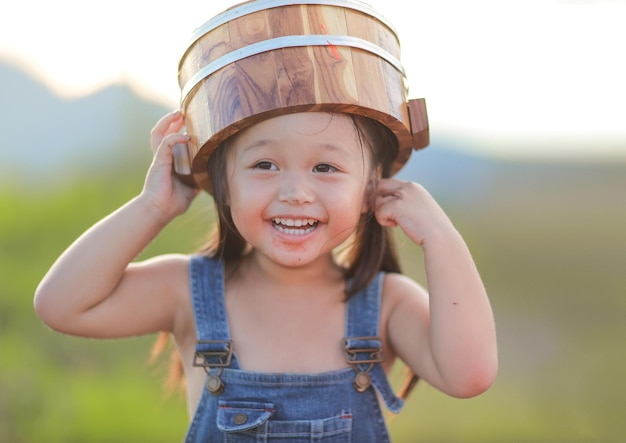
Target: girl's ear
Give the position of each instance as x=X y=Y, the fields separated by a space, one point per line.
x=369 y=197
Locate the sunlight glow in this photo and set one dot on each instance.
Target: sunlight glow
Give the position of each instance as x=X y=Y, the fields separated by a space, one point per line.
x=501 y=72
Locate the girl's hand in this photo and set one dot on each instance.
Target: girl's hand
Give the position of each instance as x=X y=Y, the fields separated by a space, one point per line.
x=410 y=206
x=161 y=188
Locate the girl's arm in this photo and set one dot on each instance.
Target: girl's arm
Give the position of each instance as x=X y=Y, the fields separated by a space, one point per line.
x=447 y=336
x=92 y=289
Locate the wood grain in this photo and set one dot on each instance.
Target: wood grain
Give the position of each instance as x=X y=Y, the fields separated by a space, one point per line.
x=330 y=78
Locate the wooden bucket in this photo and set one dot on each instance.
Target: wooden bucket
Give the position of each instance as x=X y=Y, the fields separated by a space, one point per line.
x=265 y=58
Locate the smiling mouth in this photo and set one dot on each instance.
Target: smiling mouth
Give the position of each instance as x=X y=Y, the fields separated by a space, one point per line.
x=295 y=226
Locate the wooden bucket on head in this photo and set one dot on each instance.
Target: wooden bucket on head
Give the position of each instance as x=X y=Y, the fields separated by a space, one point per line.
x=266 y=58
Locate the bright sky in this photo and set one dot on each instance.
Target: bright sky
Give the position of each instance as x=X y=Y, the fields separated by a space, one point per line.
x=505 y=75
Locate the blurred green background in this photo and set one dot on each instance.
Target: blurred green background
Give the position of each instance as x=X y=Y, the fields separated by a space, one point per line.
x=551 y=253
x=548 y=238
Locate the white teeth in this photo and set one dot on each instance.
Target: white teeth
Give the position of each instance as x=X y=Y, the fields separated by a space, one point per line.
x=294 y=222
x=295 y=231
x=284 y=225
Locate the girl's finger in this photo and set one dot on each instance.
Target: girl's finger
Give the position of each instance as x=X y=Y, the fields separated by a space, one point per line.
x=388 y=191
x=168 y=142
x=169 y=123
x=388 y=186
x=384 y=214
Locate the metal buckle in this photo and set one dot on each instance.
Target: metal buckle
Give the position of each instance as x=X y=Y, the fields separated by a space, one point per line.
x=352 y=354
x=223 y=357
x=363 y=379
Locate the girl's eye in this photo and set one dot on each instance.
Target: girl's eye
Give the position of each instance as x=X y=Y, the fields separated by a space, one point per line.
x=265 y=165
x=324 y=167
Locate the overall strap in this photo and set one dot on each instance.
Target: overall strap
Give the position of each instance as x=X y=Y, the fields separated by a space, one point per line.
x=363 y=345
x=214 y=347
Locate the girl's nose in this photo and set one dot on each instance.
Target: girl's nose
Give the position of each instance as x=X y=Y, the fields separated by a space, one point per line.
x=295 y=191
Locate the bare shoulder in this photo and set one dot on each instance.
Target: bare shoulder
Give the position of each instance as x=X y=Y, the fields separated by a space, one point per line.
x=161 y=286
x=405 y=313
x=169 y=277
x=166 y=276
x=164 y=267
x=400 y=290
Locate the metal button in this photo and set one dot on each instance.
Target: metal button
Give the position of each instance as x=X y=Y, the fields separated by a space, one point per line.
x=214 y=384
x=362 y=381
x=240 y=419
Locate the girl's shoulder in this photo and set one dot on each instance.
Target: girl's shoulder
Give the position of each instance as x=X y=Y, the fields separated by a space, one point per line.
x=167 y=272
x=169 y=283
x=166 y=263
x=398 y=286
x=402 y=294
x=403 y=301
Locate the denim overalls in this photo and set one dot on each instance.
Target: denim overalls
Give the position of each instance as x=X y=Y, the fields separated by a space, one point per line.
x=245 y=406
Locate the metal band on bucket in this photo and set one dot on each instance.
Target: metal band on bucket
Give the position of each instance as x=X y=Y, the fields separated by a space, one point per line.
x=289 y=41
x=259 y=5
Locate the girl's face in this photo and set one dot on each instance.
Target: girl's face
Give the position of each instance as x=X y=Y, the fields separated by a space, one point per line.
x=297 y=185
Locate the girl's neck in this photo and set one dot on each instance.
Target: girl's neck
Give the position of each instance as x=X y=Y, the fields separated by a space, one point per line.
x=321 y=272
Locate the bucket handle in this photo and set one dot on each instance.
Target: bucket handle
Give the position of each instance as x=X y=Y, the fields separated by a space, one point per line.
x=182 y=164
x=419 y=123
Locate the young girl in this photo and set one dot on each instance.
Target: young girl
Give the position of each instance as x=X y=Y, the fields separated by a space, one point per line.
x=280 y=337
x=289 y=321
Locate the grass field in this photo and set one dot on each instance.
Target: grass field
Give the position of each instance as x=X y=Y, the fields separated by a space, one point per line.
x=552 y=251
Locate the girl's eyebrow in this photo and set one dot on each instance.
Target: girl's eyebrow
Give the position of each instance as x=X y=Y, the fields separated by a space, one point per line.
x=256 y=145
x=333 y=148
x=328 y=147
